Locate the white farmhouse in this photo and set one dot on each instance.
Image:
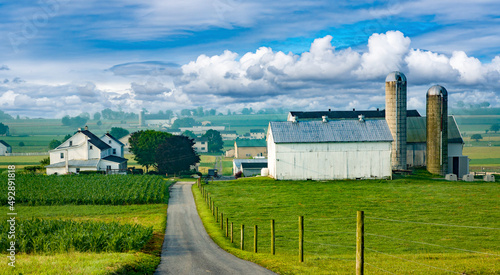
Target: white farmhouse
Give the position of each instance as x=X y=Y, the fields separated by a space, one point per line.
x=5 y=148
x=325 y=150
x=84 y=151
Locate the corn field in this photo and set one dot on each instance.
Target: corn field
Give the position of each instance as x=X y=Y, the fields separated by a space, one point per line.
x=58 y=236
x=35 y=190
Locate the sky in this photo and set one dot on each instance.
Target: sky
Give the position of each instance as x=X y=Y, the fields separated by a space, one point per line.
x=65 y=57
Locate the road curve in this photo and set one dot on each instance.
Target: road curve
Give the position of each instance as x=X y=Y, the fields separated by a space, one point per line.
x=187 y=248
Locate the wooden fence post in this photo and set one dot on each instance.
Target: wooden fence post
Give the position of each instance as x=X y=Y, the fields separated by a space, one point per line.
x=227 y=227
x=216 y=214
x=242 y=244
x=273 y=238
x=231 y=232
x=221 y=221
x=255 y=239
x=301 y=239
x=360 y=243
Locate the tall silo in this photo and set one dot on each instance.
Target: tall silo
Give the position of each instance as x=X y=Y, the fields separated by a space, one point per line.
x=437 y=130
x=141 y=119
x=395 y=115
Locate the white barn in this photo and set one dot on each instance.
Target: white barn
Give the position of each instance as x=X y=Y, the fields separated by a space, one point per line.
x=5 y=148
x=84 y=151
x=325 y=150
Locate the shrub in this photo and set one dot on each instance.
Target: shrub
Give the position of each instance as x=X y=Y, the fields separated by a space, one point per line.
x=238 y=175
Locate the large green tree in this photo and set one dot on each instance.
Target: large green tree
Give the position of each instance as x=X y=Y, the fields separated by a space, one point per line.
x=118 y=132
x=215 y=142
x=4 y=129
x=144 y=143
x=176 y=154
x=54 y=143
x=184 y=122
x=189 y=134
x=495 y=127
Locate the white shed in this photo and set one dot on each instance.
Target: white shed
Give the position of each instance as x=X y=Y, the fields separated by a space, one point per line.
x=324 y=150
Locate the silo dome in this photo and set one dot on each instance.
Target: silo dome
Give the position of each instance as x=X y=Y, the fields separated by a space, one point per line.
x=395 y=76
x=437 y=90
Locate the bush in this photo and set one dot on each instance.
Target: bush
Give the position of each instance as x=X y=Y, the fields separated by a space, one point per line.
x=239 y=175
x=21 y=144
x=92 y=172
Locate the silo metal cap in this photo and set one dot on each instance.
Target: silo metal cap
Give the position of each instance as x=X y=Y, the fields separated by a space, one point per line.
x=395 y=76
x=437 y=90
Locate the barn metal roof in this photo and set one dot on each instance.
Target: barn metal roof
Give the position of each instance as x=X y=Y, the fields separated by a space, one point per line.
x=115 y=159
x=331 y=131
x=251 y=143
x=417 y=131
x=4 y=143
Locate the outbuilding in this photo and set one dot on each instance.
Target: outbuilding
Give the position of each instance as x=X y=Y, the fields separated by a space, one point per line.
x=325 y=150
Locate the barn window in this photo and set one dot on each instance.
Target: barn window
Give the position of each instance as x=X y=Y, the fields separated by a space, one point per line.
x=70 y=143
x=77 y=170
x=90 y=147
x=114 y=151
x=109 y=141
x=62 y=155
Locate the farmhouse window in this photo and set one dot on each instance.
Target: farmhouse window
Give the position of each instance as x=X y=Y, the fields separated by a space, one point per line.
x=77 y=170
x=108 y=167
x=62 y=155
x=70 y=143
x=114 y=151
x=110 y=142
x=90 y=147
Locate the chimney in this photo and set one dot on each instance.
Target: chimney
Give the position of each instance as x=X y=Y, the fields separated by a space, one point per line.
x=325 y=118
x=361 y=118
x=79 y=129
x=86 y=128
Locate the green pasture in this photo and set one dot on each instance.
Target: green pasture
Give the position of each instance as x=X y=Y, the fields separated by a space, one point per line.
x=413 y=225
x=115 y=217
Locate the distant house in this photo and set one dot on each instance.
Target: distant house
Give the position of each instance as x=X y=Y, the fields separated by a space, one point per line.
x=5 y=148
x=201 y=145
x=325 y=150
x=249 y=167
x=230 y=153
x=248 y=148
x=84 y=151
x=257 y=134
x=229 y=135
x=201 y=130
x=125 y=141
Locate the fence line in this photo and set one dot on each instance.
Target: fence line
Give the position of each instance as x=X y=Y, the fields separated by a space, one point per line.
x=448 y=247
x=27 y=154
x=332 y=232
x=439 y=224
x=387 y=271
x=327 y=244
x=390 y=255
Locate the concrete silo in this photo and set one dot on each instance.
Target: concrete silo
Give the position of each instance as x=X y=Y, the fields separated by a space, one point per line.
x=395 y=115
x=437 y=130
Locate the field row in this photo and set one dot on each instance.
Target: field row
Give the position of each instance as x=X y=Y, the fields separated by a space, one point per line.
x=87 y=189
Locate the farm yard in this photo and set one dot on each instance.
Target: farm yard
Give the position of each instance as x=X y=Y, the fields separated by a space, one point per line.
x=87 y=224
x=413 y=225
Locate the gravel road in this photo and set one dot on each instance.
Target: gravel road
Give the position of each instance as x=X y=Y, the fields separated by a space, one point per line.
x=187 y=248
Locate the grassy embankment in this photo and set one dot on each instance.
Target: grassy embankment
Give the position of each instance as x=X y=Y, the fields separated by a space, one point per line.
x=89 y=199
x=413 y=225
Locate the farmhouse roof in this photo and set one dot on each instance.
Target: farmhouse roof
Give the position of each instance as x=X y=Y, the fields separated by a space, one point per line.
x=238 y=162
x=75 y=163
x=347 y=114
x=417 y=132
x=331 y=131
x=115 y=159
x=113 y=138
x=254 y=165
x=4 y=143
x=251 y=143
x=97 y=142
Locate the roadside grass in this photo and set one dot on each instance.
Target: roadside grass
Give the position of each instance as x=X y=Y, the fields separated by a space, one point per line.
x=404 y=225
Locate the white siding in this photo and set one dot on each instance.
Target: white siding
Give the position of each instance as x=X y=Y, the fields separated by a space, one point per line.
x=319 y=161
x=271 y=154
x=114 y=145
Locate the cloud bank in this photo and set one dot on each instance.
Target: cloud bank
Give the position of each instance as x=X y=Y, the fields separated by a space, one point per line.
x=322 y=77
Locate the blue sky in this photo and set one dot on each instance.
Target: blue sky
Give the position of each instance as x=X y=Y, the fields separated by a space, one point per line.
x=303 y=55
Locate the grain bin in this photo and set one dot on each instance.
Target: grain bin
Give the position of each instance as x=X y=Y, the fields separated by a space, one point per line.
x=395 y=115
x=437 y=130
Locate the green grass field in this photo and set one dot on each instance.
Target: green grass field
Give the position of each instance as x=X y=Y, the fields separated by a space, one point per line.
x=135 y=261
x=413 y=225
